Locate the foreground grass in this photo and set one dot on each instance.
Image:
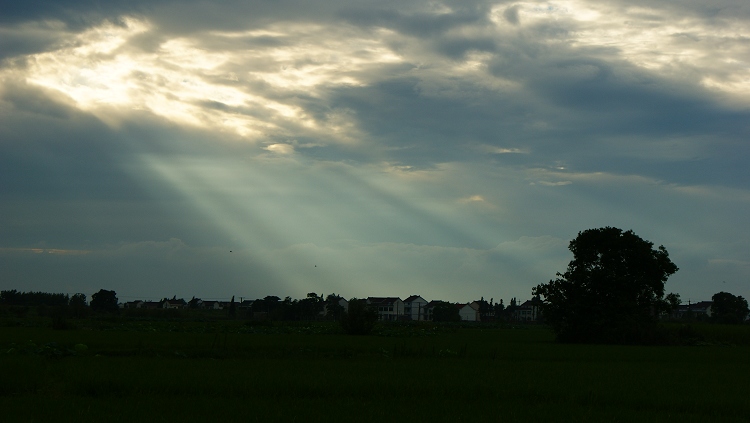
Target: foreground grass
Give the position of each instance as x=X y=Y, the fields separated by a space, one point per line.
x=223 y=374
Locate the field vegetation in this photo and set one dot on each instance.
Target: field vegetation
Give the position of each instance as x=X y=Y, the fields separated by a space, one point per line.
x=190 y=367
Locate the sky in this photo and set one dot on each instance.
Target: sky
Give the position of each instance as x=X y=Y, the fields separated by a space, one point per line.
x=450 y=149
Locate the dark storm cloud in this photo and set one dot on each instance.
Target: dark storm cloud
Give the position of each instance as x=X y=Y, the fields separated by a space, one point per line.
x=586 y=100
x=417 y=24
x=31 y=38
x=71 y=181
x=584 y=94
x=511 y=14
x=52 y=150
x=429 y=130
x=75 y=14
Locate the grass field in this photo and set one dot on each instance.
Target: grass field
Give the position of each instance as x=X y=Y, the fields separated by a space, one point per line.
x=229 y=371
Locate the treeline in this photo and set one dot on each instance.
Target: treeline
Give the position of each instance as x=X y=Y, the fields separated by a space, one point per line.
x=725 y=307
x=57 y=306
x=60 y=305
x=33 y=299
x=312 y=307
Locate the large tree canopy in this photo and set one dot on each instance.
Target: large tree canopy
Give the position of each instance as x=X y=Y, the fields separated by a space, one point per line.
x=104 y=300
x=612 y=291
x=728 y=308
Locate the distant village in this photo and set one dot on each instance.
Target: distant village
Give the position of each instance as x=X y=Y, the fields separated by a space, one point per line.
x=319 y=307
x=414 y=308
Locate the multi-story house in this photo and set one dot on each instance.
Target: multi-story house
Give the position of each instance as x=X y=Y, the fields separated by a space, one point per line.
x=388 y=308
x=415 y=308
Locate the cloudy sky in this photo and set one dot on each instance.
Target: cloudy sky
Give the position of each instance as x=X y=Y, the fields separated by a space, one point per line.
x=450 y=149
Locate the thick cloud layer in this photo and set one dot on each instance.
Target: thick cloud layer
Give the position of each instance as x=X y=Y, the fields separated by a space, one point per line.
x=450 y=149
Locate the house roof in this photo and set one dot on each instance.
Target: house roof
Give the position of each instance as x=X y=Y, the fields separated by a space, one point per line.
x=382 y=300
x=470 y=305
x=413 y=298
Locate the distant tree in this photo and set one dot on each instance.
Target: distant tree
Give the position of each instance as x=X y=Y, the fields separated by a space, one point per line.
x=232 y=308
x=499 y=308
x=289 y=309
x=510 y=309
x=333 y=307
x=613 y=290
x=194 y=303
x=445 y=312
x=486 y=310
x=9 y=297
x=360 y=319
x=673 y=302
x=14 y=297
x=271 y=303
x=78 y=300
x=728 y=308
x=105 y=301
x=78 y=305
x=311 y=307
x=268 y=307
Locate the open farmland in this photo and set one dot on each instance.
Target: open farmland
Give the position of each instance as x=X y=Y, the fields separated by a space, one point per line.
x=230 y=371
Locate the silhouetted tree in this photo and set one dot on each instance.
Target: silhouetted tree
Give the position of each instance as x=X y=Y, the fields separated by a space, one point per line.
x=673 y=302
x=78 y=300
x=486 y=310
x=289 y=309
x=311 y=307
x=360 y=319
x=333 y=307
x=444 y=311
x=500 y=309
x=13 y=297
x=509 y=311
x=232 y=308
x=104 y=301
x=613 y=290
x=728 y=308
x=270 y=306
x=194 y=303
x=78 y=305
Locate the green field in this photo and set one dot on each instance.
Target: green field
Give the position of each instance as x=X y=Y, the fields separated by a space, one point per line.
x=141 y=370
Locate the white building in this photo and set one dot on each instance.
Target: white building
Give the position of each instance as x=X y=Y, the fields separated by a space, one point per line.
x=469 y=312
x=389 y=308
x=415 y=308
